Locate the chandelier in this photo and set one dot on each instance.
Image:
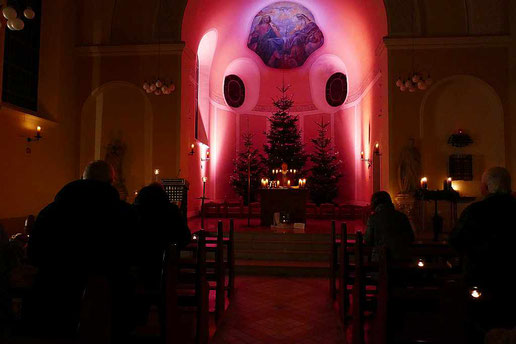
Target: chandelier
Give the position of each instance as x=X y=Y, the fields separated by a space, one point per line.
x=158 y=86
x=14 y=22
x=414 y=81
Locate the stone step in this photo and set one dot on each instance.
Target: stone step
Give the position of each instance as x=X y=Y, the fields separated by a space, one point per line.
x=281 y=268
x=284 y=255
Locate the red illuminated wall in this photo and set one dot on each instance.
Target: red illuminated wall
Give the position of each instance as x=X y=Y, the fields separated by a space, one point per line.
x=353 y=33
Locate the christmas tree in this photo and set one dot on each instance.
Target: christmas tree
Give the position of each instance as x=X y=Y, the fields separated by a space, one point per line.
x=284 y=138
x=249 y=160
x=325 y=172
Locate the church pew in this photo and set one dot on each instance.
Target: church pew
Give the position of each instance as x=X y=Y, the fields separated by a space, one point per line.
x=218 y=244
x=193 y=288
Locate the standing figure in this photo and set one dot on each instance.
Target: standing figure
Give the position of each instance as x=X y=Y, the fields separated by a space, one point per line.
x=115 y=152
x=409 y=170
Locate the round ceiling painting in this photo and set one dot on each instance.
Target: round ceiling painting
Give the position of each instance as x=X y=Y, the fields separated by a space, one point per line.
x=284 y=34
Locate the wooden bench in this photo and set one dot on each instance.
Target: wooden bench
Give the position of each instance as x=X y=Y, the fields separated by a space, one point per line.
x=220 y=246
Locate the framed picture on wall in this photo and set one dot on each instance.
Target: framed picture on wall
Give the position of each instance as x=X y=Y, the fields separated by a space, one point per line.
x=461 y=166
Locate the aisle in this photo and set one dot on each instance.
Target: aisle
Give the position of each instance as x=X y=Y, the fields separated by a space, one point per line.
x=280 y=310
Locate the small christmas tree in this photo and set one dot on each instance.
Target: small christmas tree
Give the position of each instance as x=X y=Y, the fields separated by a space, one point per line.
x=284 y=138
x=248 y=160
x=325 y=172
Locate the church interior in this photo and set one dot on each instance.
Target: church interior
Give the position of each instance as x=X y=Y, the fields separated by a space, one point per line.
x=342 y=168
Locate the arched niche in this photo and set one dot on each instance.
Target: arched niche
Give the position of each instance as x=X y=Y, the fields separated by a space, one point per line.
x=119 y=110
x=468 y=103
x=205 y=53
x=247 y=70
x=321 y=71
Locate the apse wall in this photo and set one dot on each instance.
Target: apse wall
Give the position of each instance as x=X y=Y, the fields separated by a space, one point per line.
x=353 y=34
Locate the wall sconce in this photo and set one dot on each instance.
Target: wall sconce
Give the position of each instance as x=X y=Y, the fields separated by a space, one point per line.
x=192 y=149
x=206 y=156
x=367 y=161
x=36 y=137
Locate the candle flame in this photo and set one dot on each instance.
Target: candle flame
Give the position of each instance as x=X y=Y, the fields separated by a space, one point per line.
x=156 y=171
x=421 y=263
x=475 y=293
x=38 y=129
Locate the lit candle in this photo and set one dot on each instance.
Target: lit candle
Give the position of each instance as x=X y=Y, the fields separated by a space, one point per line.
x=192 y=146
x=295 y=171
x=288 y=183
x=38 y=132
x=475 y=293
x=207 y=154
x=362 y=155
x=156 y=172
x=377 y=148
x=449 y=183
x=204 y=179
x=424 y=183
x=420 y=263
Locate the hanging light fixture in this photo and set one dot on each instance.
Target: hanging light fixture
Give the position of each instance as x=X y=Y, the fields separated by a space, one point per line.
x=415 y=80
x=159 y=86
x=15 y=22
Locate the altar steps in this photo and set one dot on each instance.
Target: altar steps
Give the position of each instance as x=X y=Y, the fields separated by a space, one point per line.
x=285 y=254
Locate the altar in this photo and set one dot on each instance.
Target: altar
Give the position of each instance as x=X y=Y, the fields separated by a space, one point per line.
x=290 y=201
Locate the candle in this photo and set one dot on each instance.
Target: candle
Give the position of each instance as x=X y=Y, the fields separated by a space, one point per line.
x=420 y=263
x=475 y=293
x=424 y=183
x=204 y=179
x=288 y=183
x=362 y=155
x=295 y=171
x=38 y=132
x=207 y=154
x=192 y=146
x=377 y=148
x=449 y=183
x=156 y=172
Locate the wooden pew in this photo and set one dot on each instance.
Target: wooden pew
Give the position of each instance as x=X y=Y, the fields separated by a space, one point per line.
x=192 y=277
x=220 y=246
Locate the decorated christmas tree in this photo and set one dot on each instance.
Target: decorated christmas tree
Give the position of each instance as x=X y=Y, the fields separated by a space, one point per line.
x=284 y=138
x=247 y=161
x=325 y=171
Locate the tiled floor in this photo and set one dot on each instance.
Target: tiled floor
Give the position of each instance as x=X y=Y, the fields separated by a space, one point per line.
x=283 y=310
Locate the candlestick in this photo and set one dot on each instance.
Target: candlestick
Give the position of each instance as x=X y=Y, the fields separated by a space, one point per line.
x=377 y=148
x=449 y=183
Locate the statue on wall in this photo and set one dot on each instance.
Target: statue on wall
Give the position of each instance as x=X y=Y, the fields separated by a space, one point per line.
x=409 y=169
x=115 y=152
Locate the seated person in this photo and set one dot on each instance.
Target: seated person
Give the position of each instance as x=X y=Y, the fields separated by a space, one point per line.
x=388 y=227
x=86 y=231
x=486 y=234
x=161 y=223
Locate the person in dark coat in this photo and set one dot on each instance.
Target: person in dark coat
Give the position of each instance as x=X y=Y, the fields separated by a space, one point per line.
x=86 y=231
x=388 y=227
x=485 y=235
x=160 y=224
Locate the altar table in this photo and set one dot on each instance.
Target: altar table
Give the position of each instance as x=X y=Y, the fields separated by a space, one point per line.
x=292 y=201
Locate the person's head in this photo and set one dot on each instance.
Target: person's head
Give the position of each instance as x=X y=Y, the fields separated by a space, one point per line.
x=496 y=180
x=152 y=195
x=265 y=19
x=99 y=170
x=379 y=198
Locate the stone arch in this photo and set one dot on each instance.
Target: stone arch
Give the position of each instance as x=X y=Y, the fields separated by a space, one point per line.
x=468 y=103
x=119 y=110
